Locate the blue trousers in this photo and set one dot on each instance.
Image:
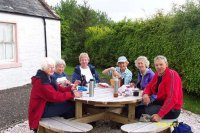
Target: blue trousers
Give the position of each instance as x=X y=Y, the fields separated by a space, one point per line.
x=154 y=108
x=63 y=109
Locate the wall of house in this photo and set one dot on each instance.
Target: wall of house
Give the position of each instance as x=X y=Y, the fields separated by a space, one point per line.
x=31 y=48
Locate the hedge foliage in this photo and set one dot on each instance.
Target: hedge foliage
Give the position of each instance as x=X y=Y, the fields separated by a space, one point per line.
x=175 y=35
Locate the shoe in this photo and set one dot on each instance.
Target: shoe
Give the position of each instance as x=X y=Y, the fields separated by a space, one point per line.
x=145 y=118
x=93 y=123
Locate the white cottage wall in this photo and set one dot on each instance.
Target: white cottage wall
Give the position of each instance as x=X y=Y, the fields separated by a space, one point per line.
x=31 y=48
x=53 y=38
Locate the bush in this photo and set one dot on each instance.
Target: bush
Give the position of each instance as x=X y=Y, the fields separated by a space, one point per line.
x=175 y=35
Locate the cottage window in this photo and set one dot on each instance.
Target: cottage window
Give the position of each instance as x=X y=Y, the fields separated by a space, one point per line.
x=8 y=48
x=7 y=42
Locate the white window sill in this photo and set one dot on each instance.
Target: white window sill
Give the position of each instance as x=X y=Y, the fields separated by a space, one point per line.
x=10 y=65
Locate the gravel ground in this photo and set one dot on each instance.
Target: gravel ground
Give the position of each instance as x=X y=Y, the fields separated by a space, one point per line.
x=104 y=126
x=13 y=114
x=13 y=105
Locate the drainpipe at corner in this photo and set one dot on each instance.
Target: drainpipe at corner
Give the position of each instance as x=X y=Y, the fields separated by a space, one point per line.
x=45 y=37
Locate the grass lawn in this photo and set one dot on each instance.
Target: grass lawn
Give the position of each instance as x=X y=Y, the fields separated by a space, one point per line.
x=191 y=102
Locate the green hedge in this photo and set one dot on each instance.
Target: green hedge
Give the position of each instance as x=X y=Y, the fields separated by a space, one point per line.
x=175 y=35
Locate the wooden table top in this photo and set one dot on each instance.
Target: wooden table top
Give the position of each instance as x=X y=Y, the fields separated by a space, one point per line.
x=105 y=96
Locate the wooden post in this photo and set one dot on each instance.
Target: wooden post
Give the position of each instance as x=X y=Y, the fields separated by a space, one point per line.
x=79 y=110
x=131 y=112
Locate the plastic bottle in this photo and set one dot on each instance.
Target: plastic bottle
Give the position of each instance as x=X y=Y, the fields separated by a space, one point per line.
x=91 y=88
x=116 y=86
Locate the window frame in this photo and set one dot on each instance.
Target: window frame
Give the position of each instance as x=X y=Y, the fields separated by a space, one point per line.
x=13 y=63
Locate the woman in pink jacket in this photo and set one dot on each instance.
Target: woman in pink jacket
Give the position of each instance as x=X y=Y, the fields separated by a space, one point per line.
x=166 y=85
x=48 y=99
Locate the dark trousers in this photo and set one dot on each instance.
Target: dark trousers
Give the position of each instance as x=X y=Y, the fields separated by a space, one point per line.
x=154 y=108
x=64 y=109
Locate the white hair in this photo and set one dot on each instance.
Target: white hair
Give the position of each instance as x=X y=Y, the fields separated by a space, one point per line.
x=46 y=62
x=60 y=62
x=84 y=55
x=161 y=57
x=142 y=58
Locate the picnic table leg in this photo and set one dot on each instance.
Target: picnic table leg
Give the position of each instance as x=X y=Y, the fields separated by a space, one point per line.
x=79 y=110
x=41 y=129
x=131 y=112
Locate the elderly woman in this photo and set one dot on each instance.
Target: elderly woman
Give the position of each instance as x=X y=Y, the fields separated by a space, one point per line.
x=145 y=74
x=121 y=72
x=85 y=69
x=59 y=75
x=167 y=86
x=48 y=99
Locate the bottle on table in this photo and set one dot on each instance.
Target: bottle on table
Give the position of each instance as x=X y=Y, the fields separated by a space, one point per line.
x=116 y=86
x=83 y=80
x=91 y=88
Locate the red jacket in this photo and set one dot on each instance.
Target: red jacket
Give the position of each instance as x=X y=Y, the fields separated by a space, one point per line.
x=42 y=92
x=169 y=91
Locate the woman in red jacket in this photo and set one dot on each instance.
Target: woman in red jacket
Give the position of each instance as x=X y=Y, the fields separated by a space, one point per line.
x=166 y=85
x=48 y=99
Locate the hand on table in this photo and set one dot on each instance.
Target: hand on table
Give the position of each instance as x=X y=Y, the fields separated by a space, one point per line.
x=156 y=118
x=74 y=86
x=132 y=85
x=65 y=83
x=146 y=99
x=77 y=94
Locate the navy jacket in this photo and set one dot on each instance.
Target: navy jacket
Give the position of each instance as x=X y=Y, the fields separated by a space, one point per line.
x=77 y=73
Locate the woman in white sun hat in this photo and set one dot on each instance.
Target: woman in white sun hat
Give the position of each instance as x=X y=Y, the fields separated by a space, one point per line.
x=121 y=71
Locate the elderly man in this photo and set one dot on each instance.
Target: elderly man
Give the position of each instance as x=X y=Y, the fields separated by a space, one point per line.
x=121 y=72
x=167 y=86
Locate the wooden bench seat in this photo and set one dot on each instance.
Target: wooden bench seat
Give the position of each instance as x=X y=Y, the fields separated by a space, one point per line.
x=148 y=127
x=61 y=125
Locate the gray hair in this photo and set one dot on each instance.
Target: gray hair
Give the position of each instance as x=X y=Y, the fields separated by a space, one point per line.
x=143 y=58
x=83 y=55
x=60 y=62
x=161 y=57
x=46 y=62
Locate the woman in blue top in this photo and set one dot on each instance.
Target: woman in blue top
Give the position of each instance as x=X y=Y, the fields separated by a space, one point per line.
x=59 y=75
x=145 y=74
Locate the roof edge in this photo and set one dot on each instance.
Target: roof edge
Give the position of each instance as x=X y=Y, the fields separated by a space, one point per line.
x=18 y=13
x=49 y=9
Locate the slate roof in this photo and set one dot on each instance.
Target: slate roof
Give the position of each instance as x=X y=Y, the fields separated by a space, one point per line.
x=37 y=8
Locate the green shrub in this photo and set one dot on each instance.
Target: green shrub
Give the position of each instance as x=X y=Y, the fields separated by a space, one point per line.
x=175 y=35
